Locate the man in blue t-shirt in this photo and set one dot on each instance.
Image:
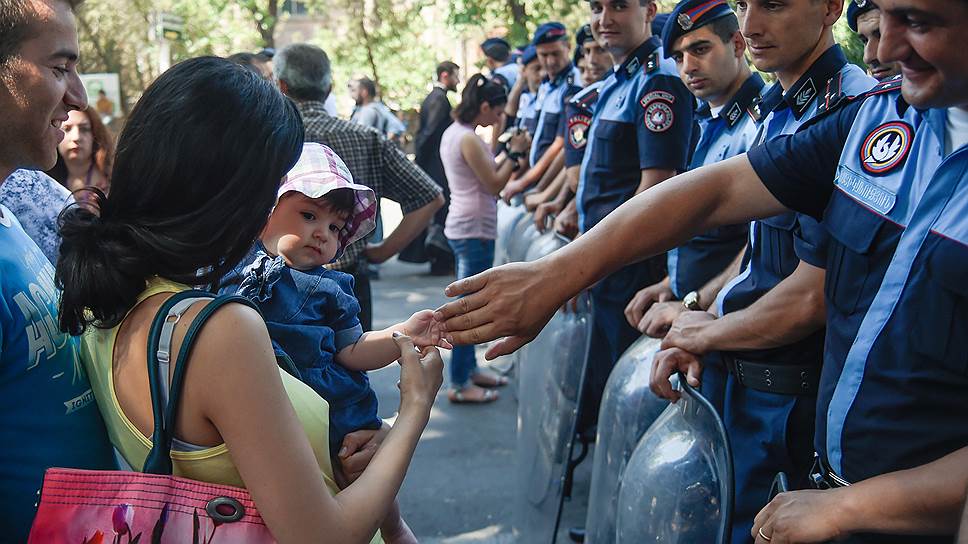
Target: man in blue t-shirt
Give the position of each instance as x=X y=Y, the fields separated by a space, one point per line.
x=48 y=416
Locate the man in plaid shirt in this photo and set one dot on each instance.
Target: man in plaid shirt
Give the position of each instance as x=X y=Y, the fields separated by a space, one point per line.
x=304 y=75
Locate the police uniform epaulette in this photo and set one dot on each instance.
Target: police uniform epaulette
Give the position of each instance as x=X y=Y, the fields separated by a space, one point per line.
x=585 y=97
x=755 y=110
x=834 y=94
x=893 y=84
x=652 y=63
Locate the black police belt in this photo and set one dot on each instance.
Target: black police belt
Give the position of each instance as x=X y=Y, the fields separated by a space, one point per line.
x=823 y=478
x=775 y=378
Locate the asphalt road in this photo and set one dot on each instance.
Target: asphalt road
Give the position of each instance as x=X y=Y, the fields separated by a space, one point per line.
x=460 y=487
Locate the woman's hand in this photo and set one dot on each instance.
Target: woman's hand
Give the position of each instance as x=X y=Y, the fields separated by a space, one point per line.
x=421 y=374
x=425 y=331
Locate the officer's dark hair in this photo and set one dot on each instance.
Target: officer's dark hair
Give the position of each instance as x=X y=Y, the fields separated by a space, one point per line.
x=306 y=71
x=447 y=67
x=186 y=202
x=367 y=85
x=17 y=20
x=725 y=27
x=479 y=89
x=248 y=61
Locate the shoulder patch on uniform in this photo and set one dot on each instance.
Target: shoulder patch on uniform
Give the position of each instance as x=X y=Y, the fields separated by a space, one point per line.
x=652 y=63
x=886 y=147
x=657 y=95
x=659 y=116
x=578 y=130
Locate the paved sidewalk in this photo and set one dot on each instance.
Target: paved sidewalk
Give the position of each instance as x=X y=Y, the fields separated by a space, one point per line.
x=460 y=487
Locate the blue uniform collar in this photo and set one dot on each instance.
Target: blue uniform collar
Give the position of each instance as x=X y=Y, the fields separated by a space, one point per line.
x=732 y=112
x=644 y=55
x=806 y=89
x=560 y=77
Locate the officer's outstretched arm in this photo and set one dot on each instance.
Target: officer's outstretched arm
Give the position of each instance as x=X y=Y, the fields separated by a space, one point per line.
x=516 y=301
x=922 y=500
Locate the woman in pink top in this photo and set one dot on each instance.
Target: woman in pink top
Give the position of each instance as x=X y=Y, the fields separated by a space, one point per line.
x=475 y=179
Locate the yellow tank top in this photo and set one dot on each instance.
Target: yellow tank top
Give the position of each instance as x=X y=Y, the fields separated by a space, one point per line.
x=208 y=465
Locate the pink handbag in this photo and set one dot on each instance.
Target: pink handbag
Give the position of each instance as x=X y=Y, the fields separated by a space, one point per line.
x=95 y=507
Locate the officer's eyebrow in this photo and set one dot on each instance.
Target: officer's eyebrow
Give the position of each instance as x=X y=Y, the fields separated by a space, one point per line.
x=64 y=54
x=904 y=12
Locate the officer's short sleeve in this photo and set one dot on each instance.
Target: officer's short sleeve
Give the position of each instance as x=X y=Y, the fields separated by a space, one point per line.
x=664 y=124
x=810 y=241
x=799 y=169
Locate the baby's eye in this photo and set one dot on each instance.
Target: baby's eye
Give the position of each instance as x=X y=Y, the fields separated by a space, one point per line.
x=308 y=216
x=335 y=228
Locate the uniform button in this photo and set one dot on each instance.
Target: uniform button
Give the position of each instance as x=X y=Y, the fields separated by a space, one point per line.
x=769 y=382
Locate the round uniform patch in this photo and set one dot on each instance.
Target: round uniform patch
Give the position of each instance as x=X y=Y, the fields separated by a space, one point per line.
x=886 y=147
x=659 y=116
x=578 y=131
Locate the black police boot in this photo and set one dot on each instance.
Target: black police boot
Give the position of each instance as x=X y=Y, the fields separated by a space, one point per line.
x=576 y=534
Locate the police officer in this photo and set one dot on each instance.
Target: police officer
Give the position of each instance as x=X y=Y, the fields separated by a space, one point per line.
x=522 y=101
x=864 y=18
x=886 y=174
x=497 y=56
x=561 y=80
x=710 y=56
x=640 y=134
x=578 y=114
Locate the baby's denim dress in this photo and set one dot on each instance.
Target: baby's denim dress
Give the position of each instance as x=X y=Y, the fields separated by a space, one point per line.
x=311 y=316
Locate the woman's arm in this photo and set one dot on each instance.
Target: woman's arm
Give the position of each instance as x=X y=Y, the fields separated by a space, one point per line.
x=252 y=412
x=492 y=177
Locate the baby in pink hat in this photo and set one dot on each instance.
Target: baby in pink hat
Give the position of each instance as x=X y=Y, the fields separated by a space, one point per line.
x=311 y=312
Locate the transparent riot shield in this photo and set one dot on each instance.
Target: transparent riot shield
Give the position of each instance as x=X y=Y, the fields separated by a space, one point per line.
x=508 y=217
x=523 y=235
x=677 y=486
x=628 y=409
x=551 y=370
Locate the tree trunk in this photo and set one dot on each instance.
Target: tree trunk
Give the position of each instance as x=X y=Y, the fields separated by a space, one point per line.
x=368 y=44
x=519 y=21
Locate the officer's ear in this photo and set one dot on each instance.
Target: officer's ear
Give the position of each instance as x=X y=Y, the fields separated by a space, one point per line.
x=283 y=86
x=739 y=44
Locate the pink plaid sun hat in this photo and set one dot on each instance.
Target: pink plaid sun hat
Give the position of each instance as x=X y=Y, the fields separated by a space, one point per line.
x=318 y=171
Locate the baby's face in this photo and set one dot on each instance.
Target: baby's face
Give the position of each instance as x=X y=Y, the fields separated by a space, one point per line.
x=303 y=231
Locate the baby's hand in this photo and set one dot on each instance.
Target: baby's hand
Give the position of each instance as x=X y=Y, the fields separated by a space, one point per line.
x=425 y=330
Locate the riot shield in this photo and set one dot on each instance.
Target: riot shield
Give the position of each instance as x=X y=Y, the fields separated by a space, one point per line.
x=550 y=371
x=508 y=217
x=523 y=235
x=677 y=487
x=628 y=409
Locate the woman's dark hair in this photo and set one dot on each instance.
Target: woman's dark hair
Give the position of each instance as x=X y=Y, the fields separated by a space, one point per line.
x=479 y=90
x=102 y=150
x=196 y=172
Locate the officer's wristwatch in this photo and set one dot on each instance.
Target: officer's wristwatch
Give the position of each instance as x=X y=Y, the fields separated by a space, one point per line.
x=691 y=301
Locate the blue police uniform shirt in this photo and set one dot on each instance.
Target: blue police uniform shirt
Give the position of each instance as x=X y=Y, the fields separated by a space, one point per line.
x=48 y=416
x=777 y=244
x=894 y=386
x=578 y=118
x=551 y=105
x=527 y=113
x=728 y=134
x=643 y=120
x=507 y=74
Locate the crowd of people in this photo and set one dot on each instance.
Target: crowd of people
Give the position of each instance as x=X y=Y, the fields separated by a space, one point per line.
x=799 y=247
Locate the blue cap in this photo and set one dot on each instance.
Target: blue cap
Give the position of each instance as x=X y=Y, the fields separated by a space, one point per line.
x=854 y=10
x=583 y=35
x=690 y=15
x=659 y=23
x=496 y=48
x=530 y=55
x=549 y=32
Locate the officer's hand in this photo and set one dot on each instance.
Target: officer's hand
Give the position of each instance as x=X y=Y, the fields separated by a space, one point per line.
x=532 y=201
x=566 y=223
x=666 y=363
x=687 y=331
x=541 y=214
x=644 y=299
x=520 y=142
x=513 y=301
x=801 y=516
x=657 y=321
